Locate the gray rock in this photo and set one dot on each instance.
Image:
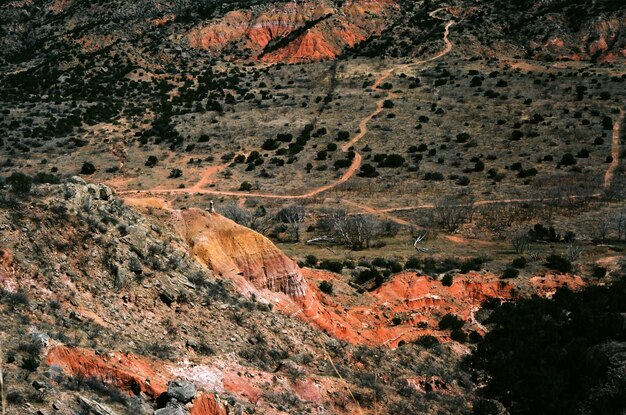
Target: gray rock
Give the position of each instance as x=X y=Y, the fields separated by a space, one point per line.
x=181 y=390
x=105 y=192
x=77 y=180
x=171 y=410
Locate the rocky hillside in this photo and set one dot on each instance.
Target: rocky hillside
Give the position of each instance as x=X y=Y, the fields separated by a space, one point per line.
x=109 y=307
x=180 y=31
x=176 y=312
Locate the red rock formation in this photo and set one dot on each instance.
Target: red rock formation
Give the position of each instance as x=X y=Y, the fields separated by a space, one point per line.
x=238 y=253
x=127 y=372
x=326 y=29
x=417 y=300
x=207 y=404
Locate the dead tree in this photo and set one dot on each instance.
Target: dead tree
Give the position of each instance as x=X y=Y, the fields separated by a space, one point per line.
x=451 y=213
x=293 y=215
x=620 y=225
x=257 y=220
x=356 y=231
x=520 y=241
x=603 y=230
x=418 y=237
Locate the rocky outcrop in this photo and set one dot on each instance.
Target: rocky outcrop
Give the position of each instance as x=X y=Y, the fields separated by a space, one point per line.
x=295 y=32
x=235 y=252
x=181 y=390
x=126 y=372
x=207 y=404
x=410 y=305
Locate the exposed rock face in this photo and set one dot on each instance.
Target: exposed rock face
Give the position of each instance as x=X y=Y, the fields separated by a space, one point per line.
x=126 y=372
x=238 y=253
x=207 y=404
x=417 y=302
x=294 y=32
x=181 y=391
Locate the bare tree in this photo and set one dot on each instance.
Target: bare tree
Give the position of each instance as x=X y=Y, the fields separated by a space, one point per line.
x=620 y=225
x=452 y=213
x=573 y=252
x=603 y=229
x=356 y=231
x=294 y=215
x=418 y=237
x=257 y=220
x=520 y=241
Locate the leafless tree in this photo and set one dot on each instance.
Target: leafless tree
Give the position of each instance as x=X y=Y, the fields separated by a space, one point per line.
x=356 y=231
x=603 y=229
x=620 y=225
x=257 y=220
x=573 y=252
x=418 y=237
x=498 y=216
x=294 y=215
x=451 y=213
x=520 y=241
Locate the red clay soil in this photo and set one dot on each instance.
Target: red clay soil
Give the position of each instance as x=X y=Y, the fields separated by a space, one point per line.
x=207 y=404
x=127 y=372
x=410 y=305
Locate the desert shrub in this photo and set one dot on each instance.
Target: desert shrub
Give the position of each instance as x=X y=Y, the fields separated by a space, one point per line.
x=451 y=322
x=16 y=299
x=388 y=103
x=541 y=233
x=30 y=363
x=367 y=170
x=151 y=161
x=245 y=187
x=270 y=144
x=175 y=173
x=20 y=182
x=519 y=262
x=88 y=168
x=434 y=176
x=567 y=160
x=366 y=275
x=391 y=160
x=326 y=287
x=523 y=173
x=331 y=265
x=427 y=341
x=310 y=260
x=598 y=272
x=558 y=263
x=447 y=280
x=458 y=335
x=510 y=272
x=463 y=181
x=472 y=264
x=321 y=155
x=342 y=163
x=413 y=263
x=42 y=177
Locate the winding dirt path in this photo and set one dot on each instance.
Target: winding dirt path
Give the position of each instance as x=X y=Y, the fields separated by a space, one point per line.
x=198 y=188
x=610 y=172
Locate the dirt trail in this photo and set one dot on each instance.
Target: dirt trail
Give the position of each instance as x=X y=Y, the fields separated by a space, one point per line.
x=610 y=172
x=198 y=188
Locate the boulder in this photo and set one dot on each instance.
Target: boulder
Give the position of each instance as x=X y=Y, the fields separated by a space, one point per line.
x=181 y=390
x=171 y=410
